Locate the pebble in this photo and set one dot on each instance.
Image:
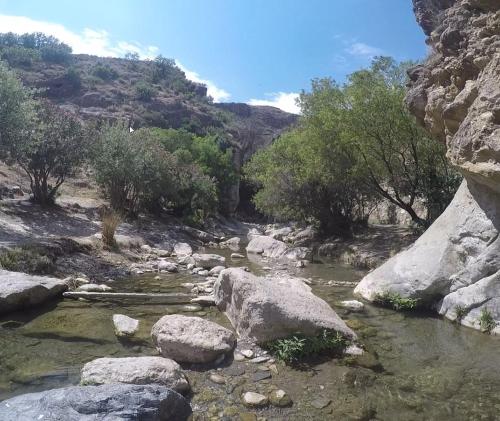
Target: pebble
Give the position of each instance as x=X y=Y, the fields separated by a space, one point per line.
x=218 y=379
x=237 y=256
x=248 y=416
x=238 y=357
x=253 y=399
x=261 y=375
x=258 y=360
x=248 y=353
x=353 y=350
x=353 y=305
x=274 y=369
x=279 y=398
x=234 y=371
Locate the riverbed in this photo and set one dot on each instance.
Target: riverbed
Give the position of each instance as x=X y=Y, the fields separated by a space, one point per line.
x=417 y=366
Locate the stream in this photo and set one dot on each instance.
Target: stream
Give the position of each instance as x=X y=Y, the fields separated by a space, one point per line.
x=418 y=366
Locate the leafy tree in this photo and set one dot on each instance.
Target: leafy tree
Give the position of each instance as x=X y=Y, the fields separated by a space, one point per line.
x=16 y=110
x=50 y=152
x=132 y=56
x=104 y=72
x=144 y=91
x=19 y=56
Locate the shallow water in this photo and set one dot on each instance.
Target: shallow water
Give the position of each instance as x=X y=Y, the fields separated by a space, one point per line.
x=420 y=367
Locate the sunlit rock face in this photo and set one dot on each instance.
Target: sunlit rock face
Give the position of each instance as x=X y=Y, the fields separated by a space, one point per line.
x=455 y=95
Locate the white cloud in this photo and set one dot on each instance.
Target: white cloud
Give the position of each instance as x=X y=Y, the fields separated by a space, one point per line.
x=360 y=49
x=99 y=43
x=287 y=101
x=218 y=94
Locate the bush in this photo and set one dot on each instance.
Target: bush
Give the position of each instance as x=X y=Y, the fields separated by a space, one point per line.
x=395 y=301
x=74 y=78
x=104 y=72
x=110 y=222
x=59 y=53
x=297 y=347
x=144 y=91
x=486 y=321
x=20 y=56
x=27 y=259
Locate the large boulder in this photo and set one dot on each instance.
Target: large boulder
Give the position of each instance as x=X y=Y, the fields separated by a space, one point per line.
x=264 y=309
x=20 y=290
x=106 y=402
x=208 y=261
x=267 y=247
x=191 y=339
x=135 y=370
x=455 y=265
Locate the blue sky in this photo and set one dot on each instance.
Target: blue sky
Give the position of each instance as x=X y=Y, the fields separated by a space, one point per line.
x=256 y=51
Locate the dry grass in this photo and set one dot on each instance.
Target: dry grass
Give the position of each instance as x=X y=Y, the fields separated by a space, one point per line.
x=110 y=222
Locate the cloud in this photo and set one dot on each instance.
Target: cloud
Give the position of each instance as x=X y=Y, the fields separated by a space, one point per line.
x=218 y=94
x=362 y=50
x=283 y=100
x=99 y=43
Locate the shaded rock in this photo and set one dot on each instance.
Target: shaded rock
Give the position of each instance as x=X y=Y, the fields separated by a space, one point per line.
x=253 y=399
x=232 y=243
x=216 y=270
x=320 y=403
x=191 y=339
x=236 y=256
x=261 y=375
x=167 y=266
x=135 y=370
x=94 y=288
x=124 y=325
x=110 y=402
x=209 y=261
x=264 y=309
x=217 y=379
x=20 y=290
x=299 y=253
x=204 y=300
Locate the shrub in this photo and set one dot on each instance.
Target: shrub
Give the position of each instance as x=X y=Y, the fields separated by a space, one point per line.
x=104 y=72
x=486 y=321
x=110 y=222
x=460 y=313
x=395 y=301
x=73 y=76
x=27 y=259
x=20 y=56
x=144 y=91
x=57 y=53
x=297 y=347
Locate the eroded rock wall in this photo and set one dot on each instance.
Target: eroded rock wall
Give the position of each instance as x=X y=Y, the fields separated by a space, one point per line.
x=455 y=95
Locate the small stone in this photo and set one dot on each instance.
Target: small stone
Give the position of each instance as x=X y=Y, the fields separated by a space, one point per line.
x=248 y=353
x=238 y=357
x=263 y=368
x=124 y=325
x=218 y=379
x=236 y=256
x=190 y=266
x=353 y=350
x=248 y=416
x=261 y=375
x=274 y=369
x=203 y=272
x=191 y=308
x=353 y=305
x=300 y=264
x=234 y=371
x=157 y=278
x=320 y=403
x=279 y=398
x=145 y=248
x=204 y=300
x=253 y=399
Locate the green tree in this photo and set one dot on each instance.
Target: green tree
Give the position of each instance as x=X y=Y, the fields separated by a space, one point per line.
x=50 y=152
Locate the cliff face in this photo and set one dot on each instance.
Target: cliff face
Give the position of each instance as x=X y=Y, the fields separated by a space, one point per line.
x=455 y=95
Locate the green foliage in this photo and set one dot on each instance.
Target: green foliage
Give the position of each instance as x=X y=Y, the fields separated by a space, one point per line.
x=297 y=347
x=460 y=313
x=16 y=110
x=104 y=72
x=50 y=151
x=144 y=91
x=73 y=76
x=397 y=302
x=19 y=56
x=23 y=50
x=354 y=145
x=131 y=56
x=138 y=172
x=27 y=259
x=486 y=321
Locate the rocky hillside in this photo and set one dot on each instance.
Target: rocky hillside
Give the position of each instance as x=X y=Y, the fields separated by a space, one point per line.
x=455 y=265
x=148 y=93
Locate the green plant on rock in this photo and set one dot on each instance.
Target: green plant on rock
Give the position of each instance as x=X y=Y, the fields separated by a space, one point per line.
x=396 y=301
x=297 y=347
x=486 y=321
x=460 y=313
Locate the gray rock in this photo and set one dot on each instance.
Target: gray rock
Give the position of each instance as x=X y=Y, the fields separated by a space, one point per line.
x=267 y=247
x=216 y=270
x=94 y=288
x=204 y=300
x=191 y=339
x=253 y=399
x=237 y=256
x=167 y=266
x=183 y=249
x=209 y=261
x=91 y=403
x=232 y=243
x=279 y=398
x=20 y=290
x=353 y=305
x=264 y=309
x=124 y=325
x=298 y=253
x=135 y=370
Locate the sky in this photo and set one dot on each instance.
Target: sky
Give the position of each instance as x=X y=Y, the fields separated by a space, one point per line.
x=253 y=51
